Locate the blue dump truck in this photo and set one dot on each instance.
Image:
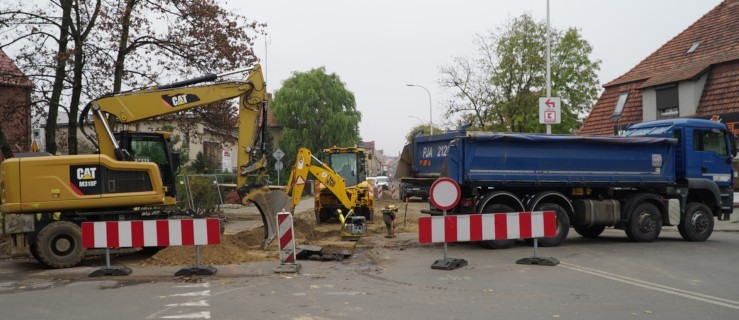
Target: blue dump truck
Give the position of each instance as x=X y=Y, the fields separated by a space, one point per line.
x=421 y=162
x=662 y=173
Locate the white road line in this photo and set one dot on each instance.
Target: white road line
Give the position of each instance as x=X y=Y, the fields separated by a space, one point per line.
x=197 y=315
x=199 y=303
x=195 y=285
x=656 y=287
x=205 y=293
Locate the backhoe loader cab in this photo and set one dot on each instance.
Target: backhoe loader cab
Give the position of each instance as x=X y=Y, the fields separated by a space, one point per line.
x=349 y=163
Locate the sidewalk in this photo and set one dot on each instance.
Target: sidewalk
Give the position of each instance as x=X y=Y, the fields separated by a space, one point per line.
x=732 y=225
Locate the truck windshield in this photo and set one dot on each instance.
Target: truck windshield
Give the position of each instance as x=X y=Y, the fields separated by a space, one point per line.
x=649 y=131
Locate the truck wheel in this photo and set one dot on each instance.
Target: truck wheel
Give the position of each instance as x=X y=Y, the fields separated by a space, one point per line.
x=563 y=225
x=497 y=244
x=59 y=245
x=698 y=222
x=401 y=195
x=645 y=223
x=589 y=232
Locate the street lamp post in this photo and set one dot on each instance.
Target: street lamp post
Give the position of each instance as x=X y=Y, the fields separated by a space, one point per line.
x=431 y=115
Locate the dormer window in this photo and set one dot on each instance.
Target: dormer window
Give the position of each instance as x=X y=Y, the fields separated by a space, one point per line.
x=694 y=47
x=620 y=103
x=668 y=103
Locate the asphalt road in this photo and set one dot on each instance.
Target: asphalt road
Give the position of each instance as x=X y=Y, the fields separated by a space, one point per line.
x=605 y=278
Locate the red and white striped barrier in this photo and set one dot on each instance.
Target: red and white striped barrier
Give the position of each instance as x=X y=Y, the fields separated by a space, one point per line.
x=150 y=233
x=481 y=227
x=286 y=235
x=393 y=192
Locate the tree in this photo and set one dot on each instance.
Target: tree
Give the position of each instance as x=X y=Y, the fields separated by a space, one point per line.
x=317 y=112
x=499 y=89
x=202 y=164
x=87 y=48
x=424 y=131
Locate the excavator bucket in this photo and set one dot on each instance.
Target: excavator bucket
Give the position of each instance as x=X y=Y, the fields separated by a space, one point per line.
x=269 y=204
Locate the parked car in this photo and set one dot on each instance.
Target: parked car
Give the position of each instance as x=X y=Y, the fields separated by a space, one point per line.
x=382 y=181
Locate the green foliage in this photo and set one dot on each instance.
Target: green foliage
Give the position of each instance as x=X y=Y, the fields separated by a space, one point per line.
x=202 y=164
x=425 y=130
x=499 y=89
x=317 y=112
x=204 y=195
x=174 y=140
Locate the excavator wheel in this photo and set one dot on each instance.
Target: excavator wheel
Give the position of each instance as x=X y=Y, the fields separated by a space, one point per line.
x=59 y=245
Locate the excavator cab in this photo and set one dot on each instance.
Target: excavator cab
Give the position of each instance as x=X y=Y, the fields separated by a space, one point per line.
x=153 y=147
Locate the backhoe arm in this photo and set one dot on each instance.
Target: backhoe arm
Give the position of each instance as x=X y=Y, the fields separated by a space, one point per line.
x=322 y=172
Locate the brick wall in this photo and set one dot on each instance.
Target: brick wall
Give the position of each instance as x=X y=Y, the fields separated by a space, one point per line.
x=15 y=114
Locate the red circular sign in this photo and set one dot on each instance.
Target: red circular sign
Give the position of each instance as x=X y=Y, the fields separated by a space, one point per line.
x=445 y=193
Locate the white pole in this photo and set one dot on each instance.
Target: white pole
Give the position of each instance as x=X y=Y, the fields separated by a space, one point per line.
x=549 y=68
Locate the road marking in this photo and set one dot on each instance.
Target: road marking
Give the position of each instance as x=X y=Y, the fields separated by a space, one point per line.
x=205 y=293
x=346 y=293
x=656 y=287
x=195 y=285
x=199 y=303
x=197 y=315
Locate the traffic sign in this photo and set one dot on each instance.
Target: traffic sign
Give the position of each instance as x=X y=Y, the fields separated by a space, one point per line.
x=445 y=193
x=278 y=154
x=550 y=110
x=278 y=165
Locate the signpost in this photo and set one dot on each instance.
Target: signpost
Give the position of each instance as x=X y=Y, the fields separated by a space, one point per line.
x=278 y=154
x=444 y=195
x=550 y=111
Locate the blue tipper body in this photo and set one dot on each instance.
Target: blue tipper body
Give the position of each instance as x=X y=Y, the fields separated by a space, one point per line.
x=498 y=159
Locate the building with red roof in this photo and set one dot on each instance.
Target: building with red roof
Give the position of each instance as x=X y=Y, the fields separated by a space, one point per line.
x=695 y=74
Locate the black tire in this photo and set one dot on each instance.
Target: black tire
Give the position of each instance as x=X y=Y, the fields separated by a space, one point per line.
x=59 y=245
x=697 y=224
x=563 y=225
x=589 y=232
x=497 y=244
x=645 y=223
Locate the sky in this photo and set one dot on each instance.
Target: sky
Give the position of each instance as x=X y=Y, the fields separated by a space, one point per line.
x=377 y=47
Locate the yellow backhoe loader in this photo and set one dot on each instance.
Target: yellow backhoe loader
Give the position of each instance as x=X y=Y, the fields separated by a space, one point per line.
x=342 y=192
x=45 y=198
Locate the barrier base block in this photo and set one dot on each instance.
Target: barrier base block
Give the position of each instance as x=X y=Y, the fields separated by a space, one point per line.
x=288 y=268
x=202 y=271
x=449 y=264
x=111 y=271
x=542 y=261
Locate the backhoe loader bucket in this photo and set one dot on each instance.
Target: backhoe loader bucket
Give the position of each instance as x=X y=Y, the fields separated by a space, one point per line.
x=269 y=204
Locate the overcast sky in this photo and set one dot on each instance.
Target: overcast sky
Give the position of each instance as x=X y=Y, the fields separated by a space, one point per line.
x=378 y=46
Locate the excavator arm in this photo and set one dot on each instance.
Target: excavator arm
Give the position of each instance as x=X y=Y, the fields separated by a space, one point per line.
x=157 y=101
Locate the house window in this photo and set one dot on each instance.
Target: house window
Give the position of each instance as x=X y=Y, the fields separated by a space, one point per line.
x=620 y=103
x=667 y=103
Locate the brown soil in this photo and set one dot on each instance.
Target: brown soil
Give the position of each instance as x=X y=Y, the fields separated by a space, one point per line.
x=245 y=246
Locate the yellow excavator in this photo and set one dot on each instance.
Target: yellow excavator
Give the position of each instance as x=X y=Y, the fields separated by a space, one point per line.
x=342 y=192
x=45 y=198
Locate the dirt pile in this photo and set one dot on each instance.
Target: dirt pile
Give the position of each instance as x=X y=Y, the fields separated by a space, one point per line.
x=245 y=247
